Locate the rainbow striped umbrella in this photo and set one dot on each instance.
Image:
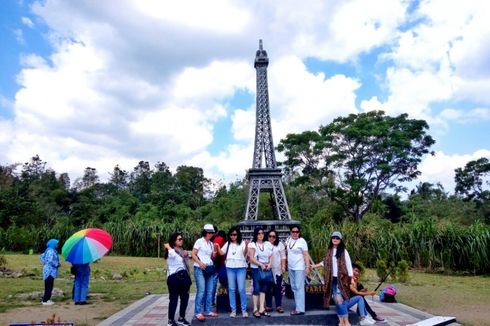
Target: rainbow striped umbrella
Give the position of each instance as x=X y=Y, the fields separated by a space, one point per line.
x=86 y=246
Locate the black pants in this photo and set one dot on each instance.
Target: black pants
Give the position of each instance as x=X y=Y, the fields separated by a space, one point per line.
x=48 y=288
x=177 y=288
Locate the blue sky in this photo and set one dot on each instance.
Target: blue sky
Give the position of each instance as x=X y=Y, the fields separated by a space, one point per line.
x=83 y=83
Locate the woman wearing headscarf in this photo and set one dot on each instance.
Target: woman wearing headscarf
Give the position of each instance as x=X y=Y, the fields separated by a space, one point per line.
x=51 y=263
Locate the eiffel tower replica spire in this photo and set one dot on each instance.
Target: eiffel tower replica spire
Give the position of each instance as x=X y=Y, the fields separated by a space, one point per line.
x=266 y=178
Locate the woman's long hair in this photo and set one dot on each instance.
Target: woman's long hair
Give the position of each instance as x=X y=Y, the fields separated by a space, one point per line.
x=238 y=237
x=256 y=233
x=171 y=241
x=340 y=248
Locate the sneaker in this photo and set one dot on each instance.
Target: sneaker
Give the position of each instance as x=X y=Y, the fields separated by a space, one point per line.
x=47 y=303
x=200 y=317
x=365 y=321
x=212 y=314
x=171 y=323
x=233 y=314
x=371 y=320
x=182 y=322
x=245 y=314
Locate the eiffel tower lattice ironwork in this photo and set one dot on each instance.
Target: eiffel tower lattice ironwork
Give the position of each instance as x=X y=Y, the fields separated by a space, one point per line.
x=268 y=178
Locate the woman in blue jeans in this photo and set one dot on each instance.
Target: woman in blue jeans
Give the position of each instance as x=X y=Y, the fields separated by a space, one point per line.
x=82 y=278
x=235 y=253
x=260 y=257
x=204 y=273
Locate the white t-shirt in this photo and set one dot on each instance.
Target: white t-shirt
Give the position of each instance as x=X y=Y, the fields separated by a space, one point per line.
x=335 y=267
x=204 y=251
x=348 y=263
x=175 y=262
x=278 y=254
x=262 y=252
x=295 y=250
x=235 y=257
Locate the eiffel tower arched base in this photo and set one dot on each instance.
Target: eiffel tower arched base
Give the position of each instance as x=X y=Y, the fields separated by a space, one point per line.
x=281 y=227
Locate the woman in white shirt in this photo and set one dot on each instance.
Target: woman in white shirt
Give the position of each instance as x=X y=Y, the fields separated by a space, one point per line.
x=235 y=253
x=204 y=273
x=278 y=267
x=260 y=256
x=178 y=278
x=298 y=268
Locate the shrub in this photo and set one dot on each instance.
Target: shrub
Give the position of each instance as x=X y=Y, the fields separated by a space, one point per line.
x=402 y=271
x=381 y=269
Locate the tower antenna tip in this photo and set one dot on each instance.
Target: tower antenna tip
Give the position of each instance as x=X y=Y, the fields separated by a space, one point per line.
x=260 y=45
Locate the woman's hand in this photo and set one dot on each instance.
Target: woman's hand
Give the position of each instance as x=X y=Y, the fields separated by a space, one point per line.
x=167 y=246
x=202 y=266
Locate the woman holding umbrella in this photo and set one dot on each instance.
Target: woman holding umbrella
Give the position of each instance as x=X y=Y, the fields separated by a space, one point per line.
x=51 y=263
x=81 y=249
x=80 y=287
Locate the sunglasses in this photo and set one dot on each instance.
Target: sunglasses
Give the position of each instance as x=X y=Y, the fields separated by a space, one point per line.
x=294 y=231
x=234 y=234
x=179 y=239
x=271 y=236
x=335 y=238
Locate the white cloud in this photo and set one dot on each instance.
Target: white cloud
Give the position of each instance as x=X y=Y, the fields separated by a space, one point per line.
x=27 y=21
x=440 y=167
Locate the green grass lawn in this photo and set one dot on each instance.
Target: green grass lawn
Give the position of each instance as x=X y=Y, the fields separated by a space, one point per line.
x=466 y=297
x=140 y=275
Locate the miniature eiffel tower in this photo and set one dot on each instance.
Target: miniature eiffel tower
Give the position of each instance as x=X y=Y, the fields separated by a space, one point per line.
x=268 y=178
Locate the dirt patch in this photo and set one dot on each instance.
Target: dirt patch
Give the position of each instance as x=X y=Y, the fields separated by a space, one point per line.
x=89 y=315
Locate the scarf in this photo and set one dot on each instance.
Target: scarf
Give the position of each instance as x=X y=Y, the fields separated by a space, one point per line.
x=343 y=278
x=182 y=253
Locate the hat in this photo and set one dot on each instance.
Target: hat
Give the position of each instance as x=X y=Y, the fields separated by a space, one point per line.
x=336 y=234
x=208 y=228
x=52 y=243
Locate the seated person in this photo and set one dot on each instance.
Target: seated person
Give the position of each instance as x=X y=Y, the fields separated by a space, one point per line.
x=356 y=288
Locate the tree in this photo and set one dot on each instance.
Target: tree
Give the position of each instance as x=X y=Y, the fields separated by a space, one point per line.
x=119 y=178
x=358 y=157
x=470 y=180
x=191 y=183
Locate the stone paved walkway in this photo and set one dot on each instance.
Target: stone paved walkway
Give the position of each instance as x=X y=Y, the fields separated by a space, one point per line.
x=152 y=311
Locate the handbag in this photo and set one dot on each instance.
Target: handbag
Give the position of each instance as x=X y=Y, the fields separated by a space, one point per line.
x=265 y=276
x=209 y=271
x=181 y=277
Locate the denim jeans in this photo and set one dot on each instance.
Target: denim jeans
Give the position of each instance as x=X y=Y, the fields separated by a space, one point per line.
x=297 y=280
x=237 y=276
x=81 y=287
x=255 y=281
x=204 y=291
x=343 y=308
x=359 y=300
x=277 y=289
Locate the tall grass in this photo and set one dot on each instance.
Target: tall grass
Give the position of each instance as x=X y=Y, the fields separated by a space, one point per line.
x=427 y=243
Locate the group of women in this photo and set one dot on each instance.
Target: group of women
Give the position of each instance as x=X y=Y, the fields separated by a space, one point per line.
x=268 y=258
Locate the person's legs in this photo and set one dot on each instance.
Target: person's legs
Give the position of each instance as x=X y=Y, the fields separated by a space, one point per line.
x=200 y=289
x=213 y=293
x=85 y=279
x=184 y=300
x=360 y=305
x=232 y=286
x=173 y=297
x=77 y=286
x=48 y=288
x=297 y=279
x=256 y=288
x=278 y=291
x=241 y=278
x=208 y=293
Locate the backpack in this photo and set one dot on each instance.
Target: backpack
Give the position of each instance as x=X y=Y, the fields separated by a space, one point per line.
x=388 y=294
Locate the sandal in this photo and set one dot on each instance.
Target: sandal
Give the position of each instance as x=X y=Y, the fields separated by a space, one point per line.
x=268 y=309
x=280 y=310
x=295 y=313
x=265 y=313
x=200 y=317
x=256 y=314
